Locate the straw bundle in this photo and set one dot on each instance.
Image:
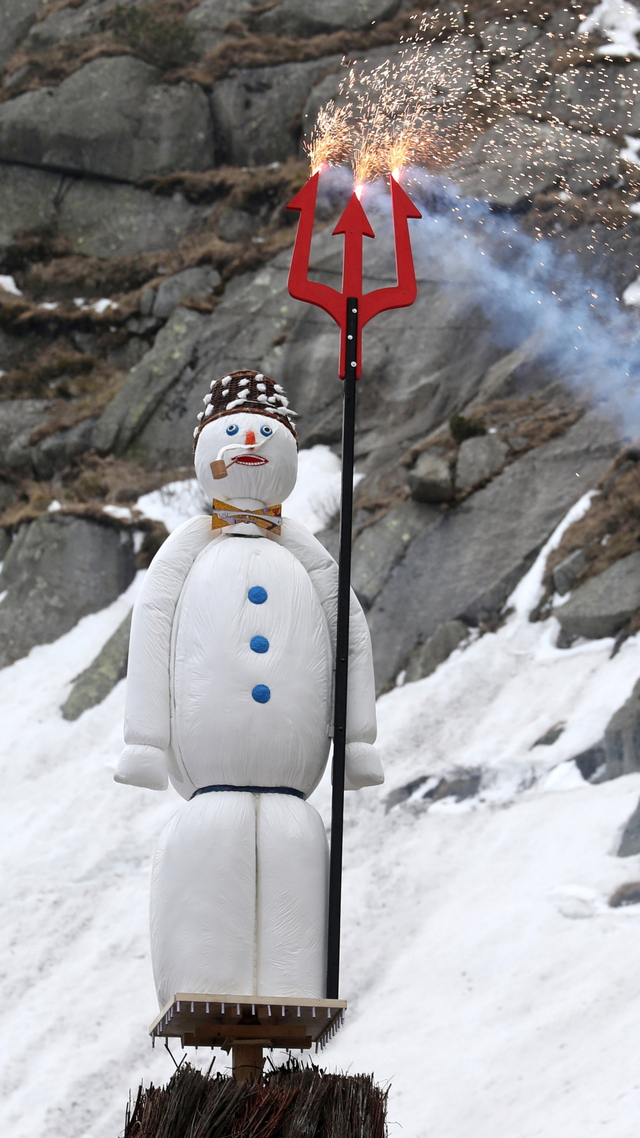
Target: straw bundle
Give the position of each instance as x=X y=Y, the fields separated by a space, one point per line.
x=288 y=1102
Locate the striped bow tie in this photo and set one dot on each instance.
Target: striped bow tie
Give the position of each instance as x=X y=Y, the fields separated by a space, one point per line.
x=269 y=518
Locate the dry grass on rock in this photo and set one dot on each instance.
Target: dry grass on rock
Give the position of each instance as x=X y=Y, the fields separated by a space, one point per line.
x=158 y=35
x=553 y=212
x=523 y=423
x=86 y=486
x=611 y=527
x=242 y=187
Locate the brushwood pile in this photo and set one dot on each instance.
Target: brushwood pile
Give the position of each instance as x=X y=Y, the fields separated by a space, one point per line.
x=289 y=1102
x=147 y=155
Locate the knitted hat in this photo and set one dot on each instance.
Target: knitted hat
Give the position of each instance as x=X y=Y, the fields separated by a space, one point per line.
x=244 y=391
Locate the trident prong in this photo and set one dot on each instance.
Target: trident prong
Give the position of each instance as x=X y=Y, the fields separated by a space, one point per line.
x=354 y=225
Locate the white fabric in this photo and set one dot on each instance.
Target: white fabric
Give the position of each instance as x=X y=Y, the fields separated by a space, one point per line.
x=143 y=766
x=239 y=892
x=149 y=691
x=268 y=483
x=253 y=922
x=220 y=733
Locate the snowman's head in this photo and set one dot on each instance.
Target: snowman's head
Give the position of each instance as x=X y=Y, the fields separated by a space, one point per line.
x=246 y=435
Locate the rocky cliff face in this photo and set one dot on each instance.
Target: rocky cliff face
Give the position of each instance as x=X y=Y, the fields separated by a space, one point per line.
x=147 y=152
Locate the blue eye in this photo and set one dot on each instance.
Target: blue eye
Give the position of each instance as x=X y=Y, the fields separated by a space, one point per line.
x=266 y=431
x=232 y=429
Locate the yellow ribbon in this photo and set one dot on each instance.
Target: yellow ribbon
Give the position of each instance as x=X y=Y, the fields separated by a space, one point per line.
x=269 y=518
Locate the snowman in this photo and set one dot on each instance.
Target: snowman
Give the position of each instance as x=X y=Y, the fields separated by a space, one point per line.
x=229 y=696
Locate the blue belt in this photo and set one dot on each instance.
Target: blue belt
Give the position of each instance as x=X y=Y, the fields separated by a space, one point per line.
x=251 y=790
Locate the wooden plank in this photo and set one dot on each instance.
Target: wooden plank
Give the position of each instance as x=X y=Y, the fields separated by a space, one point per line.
x=219 y=1020
x=247 y=1001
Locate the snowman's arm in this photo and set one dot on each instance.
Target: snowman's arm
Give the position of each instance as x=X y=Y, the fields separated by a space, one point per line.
x=363 y=766
x=147 y=730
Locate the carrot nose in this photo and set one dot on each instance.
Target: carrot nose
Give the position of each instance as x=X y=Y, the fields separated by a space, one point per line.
x=250 y=439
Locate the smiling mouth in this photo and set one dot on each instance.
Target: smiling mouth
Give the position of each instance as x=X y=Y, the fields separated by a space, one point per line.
x=251 y=460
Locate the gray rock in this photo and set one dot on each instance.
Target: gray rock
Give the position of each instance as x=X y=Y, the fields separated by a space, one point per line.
x=516 y=158
x=464 y=565
x=109 y=220
x=7 y=495
x=524 y=80
x=209 y=21
x=236 y=224
x=56 y=451
x=14 y=348
x=460 y=784
x=112 y=117
x=626 y=894
x=550 y=737
x=622 y=737
x=257 y=111
x=563 y=24
x=5 y=540
x=26 y=199
x=592 y=762
x=567 y=572
x=448 y=346
x=377 y=549
x=478 y=458
x=17 y=16
x=452 y=69
x=603 y=604
x=295 y=17
x=502 y=378
x=145 y=385
x=195 y=283
x=506 y=37
x=69 y=23
x=436 y=649
x=602 y=99
x=431 y=479
x=109 y=667
x=630 y=841
x=59 y=569
x=18 y=417
x=99 y=219
x=402 y=793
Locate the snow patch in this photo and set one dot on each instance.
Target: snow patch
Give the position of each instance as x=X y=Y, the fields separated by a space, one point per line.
x=631 y=294
x=174 y=503
x=316 y=497
x=528 y=592
x=631 y=152
x=619 y=21
x=121 y=512
x=9 y=285
x=488 y=980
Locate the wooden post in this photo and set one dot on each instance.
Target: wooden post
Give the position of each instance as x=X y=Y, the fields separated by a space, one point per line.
x=247 y=1061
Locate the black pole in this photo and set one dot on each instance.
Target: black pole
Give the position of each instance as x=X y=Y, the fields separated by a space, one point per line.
x=342 y=652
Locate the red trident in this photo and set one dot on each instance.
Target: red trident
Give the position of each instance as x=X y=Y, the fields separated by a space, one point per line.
x=354 y=224
x=351 y=309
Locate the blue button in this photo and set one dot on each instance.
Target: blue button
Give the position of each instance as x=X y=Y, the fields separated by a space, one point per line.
x=257 y=595
x=261 y=693
x=259 y=644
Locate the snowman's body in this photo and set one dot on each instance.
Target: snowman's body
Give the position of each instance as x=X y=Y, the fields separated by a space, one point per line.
x=255 y=598
x=230 y=686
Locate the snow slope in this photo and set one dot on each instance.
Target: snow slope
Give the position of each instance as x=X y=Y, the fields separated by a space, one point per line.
x=488 y=980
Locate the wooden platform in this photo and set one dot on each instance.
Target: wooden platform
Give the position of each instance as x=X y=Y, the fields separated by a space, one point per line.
x=226 y=1021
